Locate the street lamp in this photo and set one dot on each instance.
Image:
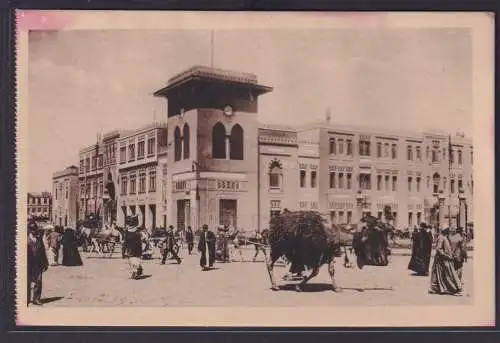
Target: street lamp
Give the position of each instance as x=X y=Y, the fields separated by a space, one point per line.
x=361 y=202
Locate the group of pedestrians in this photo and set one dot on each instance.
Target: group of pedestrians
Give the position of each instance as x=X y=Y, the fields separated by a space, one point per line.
x=450 y=256
x=43 y=250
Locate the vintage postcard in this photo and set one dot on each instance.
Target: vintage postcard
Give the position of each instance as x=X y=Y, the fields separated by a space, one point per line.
x=223 y=169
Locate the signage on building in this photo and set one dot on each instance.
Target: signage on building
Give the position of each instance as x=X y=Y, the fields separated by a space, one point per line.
x=341 y=168
x=221 y=184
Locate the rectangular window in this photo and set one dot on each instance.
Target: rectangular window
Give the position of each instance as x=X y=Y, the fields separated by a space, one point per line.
x=349 y=147
x=333 y=219
x=81 y=165
x=131 y=152
x=132 y=185
x=452 y=156
x=124 y=186
x=123 y=154
x=364 y=148
x=152 y=181
x=379 y=149
x=365 y=181
x=349 y=181
x=394 y=183
x=313 y=179
x=386 y=150
x=394 y=154
x=460 y=184
x=341 y=146
x=341 y=181
x=418 y=184
x=302 y=179
x=409 y=184
x=419 y=218
x=100 y=189
x=419 y=154
x=434 y=156
x=87 y=164
x=142 y=183
x=341 y=217
x=459 y=157
x=349 y=217
x=410 y=153
x=387 y=183
x=333 y=147
x=452 y=186
x=410 y=219
x=274 y=181
x=140 y=150
x=94 y=188
x=151 y=146
x=379 y=182
x=332 y=180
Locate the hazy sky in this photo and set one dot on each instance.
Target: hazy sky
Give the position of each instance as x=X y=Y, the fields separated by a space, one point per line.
x=84 y=82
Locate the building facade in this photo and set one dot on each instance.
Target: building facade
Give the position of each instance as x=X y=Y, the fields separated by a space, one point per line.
x=39 y=205
x=213 y=163
x=141 y=160
x=65 y=201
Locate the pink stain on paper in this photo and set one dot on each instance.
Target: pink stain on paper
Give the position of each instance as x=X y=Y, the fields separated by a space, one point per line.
x=43 y=20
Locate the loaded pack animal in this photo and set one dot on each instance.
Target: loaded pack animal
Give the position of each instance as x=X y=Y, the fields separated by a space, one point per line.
x=303 y=239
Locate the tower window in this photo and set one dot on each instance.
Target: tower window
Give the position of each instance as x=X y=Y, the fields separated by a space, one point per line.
x=219 y=141
x=185 y=138
x=236 y=143
x=177 y=144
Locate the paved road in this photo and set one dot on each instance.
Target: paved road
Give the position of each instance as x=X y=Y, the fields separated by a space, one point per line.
x=104 y=282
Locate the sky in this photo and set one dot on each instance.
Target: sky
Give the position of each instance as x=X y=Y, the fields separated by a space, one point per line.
x=85 y=82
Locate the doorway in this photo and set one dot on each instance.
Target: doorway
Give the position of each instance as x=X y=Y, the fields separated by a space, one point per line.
x=183 y=214
x=228 y=212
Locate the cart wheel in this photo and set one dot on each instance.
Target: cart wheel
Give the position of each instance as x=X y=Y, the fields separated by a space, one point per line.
x=176 y=249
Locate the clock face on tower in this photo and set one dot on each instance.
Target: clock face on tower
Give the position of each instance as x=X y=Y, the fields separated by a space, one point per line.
x=228 y=110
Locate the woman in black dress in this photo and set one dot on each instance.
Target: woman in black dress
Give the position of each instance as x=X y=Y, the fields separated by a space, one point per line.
x=71 y=256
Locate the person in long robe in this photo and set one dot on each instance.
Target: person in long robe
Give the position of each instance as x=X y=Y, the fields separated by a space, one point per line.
x=71 y=256
x=421 y=252
x=206 y=246
x=133 y=245
x=444 y=276
x=459 y=250
x=54 y=242
x=37 y=264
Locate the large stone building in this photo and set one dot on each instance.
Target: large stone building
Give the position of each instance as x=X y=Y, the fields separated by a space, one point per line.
x=39 y=205
x=213 y=163
x=65 y=202
x=141 y=162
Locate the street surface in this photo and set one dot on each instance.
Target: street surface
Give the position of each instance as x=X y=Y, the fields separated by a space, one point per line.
x=104 y=282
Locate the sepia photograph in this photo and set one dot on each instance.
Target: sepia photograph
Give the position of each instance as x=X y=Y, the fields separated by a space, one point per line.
x=223 y=169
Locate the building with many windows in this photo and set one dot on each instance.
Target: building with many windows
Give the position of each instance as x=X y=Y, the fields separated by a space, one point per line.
x=39 y=205
x=212 y=162
x=65 y=201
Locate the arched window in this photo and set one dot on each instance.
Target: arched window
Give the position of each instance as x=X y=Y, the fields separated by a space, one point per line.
x=219 y=141
x=177 y=144
x=236 y=143
x=275 y=174
x=185 y=137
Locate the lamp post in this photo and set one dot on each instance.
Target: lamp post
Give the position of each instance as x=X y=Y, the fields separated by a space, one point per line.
x=361 y=202
x=462 y=200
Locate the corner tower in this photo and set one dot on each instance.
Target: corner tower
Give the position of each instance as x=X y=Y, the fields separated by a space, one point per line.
x=213 y=147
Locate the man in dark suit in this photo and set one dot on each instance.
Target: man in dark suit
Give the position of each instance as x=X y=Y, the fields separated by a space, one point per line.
x=134 y=246
x=169 y=243
x=37 y=264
